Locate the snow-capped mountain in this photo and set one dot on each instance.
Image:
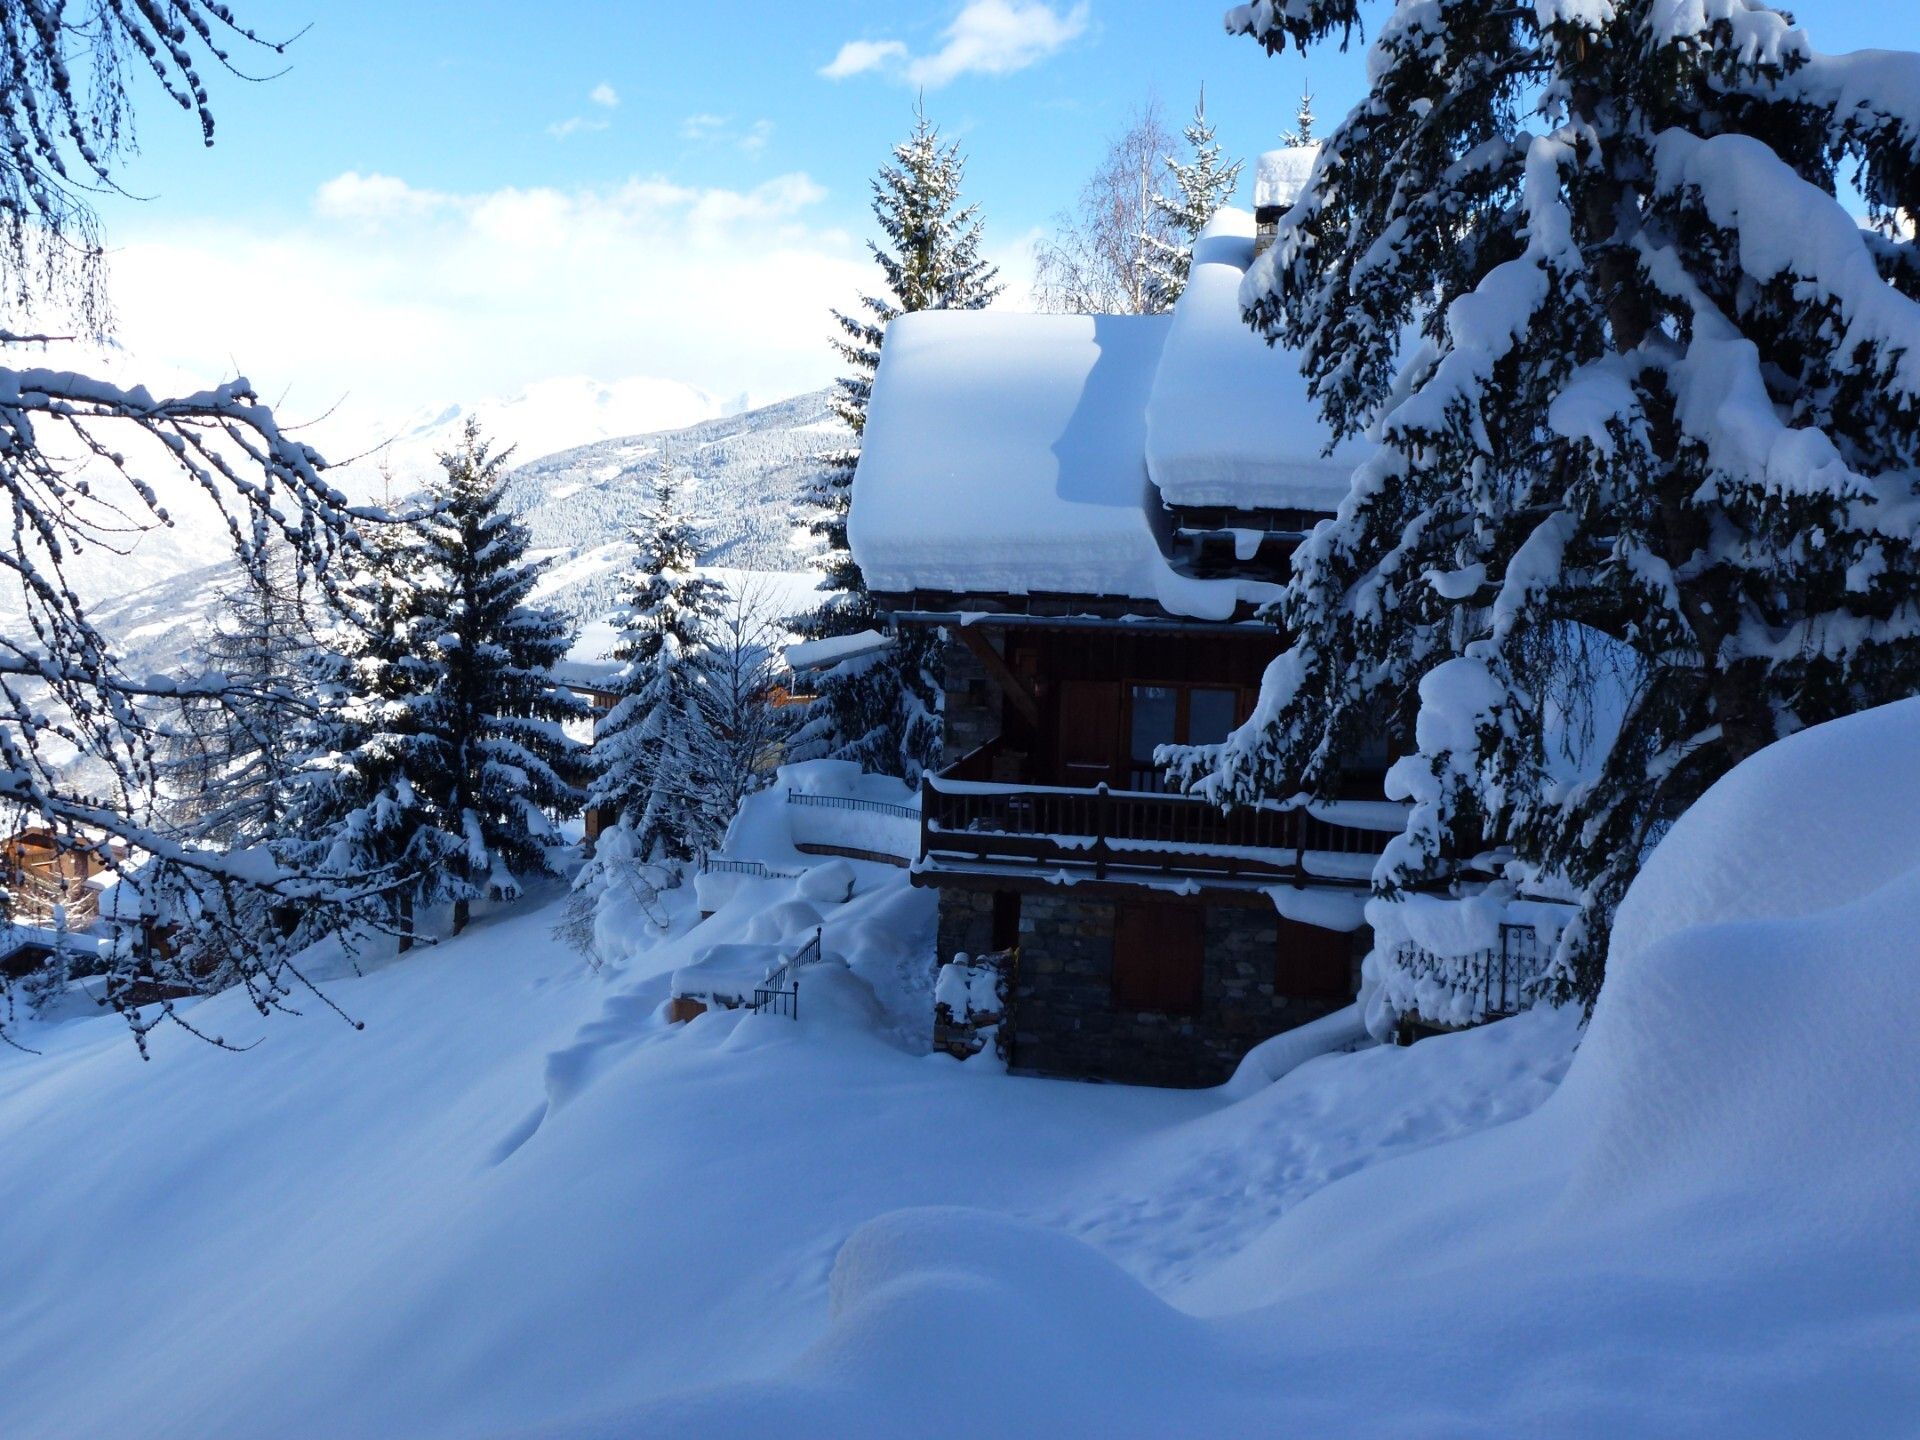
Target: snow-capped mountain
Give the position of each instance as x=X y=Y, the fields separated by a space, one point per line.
x=548 y=416
x=747 y=473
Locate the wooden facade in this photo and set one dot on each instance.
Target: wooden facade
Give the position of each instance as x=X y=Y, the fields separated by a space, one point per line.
x=1151 y=946
x=42 y=872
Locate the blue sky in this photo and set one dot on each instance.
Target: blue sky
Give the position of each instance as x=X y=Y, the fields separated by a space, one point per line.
x=442 y=200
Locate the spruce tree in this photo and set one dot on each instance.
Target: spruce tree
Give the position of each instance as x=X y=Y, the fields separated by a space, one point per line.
x=500 y=767
x=1201 y=186
x=1301 y=135
x=362 y=809
x=877 y=713
x=230 y=755
x=650 y=751
x=1650 y=462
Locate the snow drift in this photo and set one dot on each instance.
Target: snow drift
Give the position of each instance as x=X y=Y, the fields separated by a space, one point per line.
x=1709 y=1228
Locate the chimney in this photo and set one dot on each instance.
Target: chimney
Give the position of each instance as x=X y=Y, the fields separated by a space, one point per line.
x=1279 y=177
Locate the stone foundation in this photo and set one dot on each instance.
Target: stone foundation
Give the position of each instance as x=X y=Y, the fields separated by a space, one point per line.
x=1065 y=1020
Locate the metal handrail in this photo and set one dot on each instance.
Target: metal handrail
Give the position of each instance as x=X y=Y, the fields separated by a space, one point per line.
x=781 y=992
x=850 y=802
x=750 y=867
x=1503 y=980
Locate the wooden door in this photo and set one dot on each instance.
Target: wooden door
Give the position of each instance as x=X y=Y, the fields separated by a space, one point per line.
x=1313 y=963
x=1159 y=958
x=1088 y=739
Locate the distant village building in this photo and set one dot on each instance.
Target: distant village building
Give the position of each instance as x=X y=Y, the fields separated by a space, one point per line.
x=1088 y=510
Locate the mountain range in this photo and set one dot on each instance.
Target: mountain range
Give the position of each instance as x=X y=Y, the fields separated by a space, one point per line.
x=747 y=474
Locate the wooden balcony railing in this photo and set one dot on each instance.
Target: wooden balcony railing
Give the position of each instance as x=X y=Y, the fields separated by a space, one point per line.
x=1124 y=833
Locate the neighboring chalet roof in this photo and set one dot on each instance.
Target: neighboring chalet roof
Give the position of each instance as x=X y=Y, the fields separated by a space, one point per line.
x=1016 y=455
x=589 y=664
x=1229 y=421
x=832 y=650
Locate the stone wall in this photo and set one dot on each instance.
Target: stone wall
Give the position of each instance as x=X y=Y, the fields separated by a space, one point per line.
x=1064 y=1018
x=970 y=705
x=966 y=924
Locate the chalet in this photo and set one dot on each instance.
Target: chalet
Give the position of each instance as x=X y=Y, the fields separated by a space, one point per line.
x=1089 y=510
x=57 y=889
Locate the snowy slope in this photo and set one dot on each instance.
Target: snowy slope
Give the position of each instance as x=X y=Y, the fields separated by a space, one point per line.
x=519 y=1203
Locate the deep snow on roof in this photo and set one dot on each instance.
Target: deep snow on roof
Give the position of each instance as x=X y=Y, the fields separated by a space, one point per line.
x=1006 y=453
x=1280 y=175
x=1229 y=420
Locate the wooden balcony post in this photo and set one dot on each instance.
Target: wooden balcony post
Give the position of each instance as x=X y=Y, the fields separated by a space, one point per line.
x=1102 y=825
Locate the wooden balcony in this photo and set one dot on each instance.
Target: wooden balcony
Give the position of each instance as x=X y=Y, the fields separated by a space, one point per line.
x=1136 y=835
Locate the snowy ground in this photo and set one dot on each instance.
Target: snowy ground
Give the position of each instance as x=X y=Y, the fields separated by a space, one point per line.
x=518 y=1202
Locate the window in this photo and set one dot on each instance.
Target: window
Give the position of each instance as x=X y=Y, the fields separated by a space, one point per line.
x=1174 y=715
x=1159 y=958
x=1156 y=722
x=1313 y=964
x=1211 y=715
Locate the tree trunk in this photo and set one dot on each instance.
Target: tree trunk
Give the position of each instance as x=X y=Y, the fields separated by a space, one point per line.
x=462 y=912
x=403 y=917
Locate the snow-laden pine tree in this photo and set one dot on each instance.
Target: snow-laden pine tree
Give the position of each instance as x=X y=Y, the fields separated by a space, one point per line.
x=1201 y=186
x=1301 y=135
x=1646 y=393
x=878 y=713
x=362 y=808
x=230 y=755
x=745 y=732
x=650 y=750
x=499 y=766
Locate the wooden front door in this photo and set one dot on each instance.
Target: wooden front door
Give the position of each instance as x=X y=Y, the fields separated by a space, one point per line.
x=1313 y=963
x=1159 y=958
x=1088 y=741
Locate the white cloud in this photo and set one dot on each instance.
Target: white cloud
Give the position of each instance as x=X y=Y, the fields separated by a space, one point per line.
x=987 y=37
x=374 y=199
x=574 y=124
x=703 y=126
x=856 y=57
x=706 y=129
x=394 y=298
x=603 y=97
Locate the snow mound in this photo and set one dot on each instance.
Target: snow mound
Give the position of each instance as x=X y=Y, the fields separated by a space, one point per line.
x=1824 y=817
x=1750 y=1024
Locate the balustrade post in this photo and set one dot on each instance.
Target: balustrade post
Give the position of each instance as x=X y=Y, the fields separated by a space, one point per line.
x=1102 y=824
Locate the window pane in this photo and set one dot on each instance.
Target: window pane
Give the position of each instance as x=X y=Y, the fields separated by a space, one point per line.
x=1210 y=715
x=1155 y=713
x=1154 y=708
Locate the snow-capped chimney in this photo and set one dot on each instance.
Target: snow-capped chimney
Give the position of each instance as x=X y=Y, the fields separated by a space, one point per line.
x=1278 y=178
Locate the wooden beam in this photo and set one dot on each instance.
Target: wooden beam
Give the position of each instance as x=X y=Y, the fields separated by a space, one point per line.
x=1001 y=673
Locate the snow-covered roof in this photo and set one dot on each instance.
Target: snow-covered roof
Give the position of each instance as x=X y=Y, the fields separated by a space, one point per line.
x=1280 y=175
x=831 y=650
x=1229 y=421
x=1005 y=453
x=589 y=663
